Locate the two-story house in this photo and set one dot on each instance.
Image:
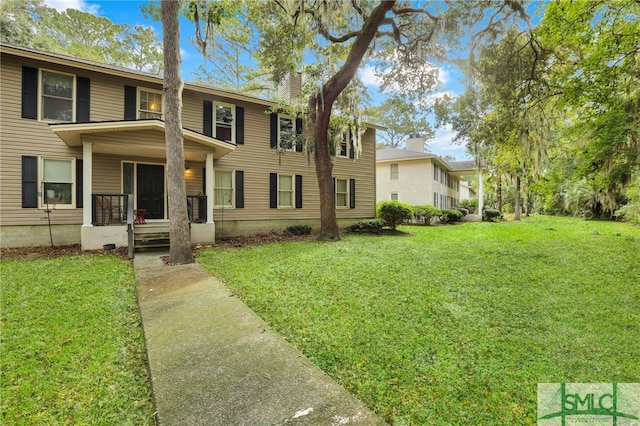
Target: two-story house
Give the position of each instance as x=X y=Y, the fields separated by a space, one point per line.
x=81 y=141
x=416 y=177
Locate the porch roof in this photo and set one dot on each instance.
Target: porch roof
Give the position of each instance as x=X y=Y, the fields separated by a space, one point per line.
x=144 y=138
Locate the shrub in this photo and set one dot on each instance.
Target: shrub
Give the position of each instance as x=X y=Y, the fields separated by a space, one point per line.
x=470 y=204
x=450 y=216
x=629 y=213
x=426 y=213
x=394 y=213
x=298 y=230
x=462 y=210
x=372 y=226
x=492 y=215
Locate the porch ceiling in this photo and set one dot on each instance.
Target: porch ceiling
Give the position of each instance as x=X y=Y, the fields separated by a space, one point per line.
x=142 y=138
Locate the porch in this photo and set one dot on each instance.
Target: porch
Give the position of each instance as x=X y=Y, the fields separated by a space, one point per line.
x=138 y=149
x=113 y=216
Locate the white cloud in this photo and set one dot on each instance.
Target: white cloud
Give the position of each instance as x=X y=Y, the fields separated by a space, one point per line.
x=62 y=5
x=184 y=54
x=430 y=100
x=442 y=144
x=369 y=78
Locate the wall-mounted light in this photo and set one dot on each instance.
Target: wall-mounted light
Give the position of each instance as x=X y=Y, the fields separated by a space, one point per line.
x=187 y=170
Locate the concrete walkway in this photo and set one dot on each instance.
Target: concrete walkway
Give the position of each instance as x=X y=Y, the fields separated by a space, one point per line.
x=213 y=361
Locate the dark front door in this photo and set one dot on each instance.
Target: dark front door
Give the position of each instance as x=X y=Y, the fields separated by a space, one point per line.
x=151 y=190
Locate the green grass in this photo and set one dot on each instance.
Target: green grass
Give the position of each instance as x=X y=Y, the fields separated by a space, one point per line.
x=455 y=324
x=72 y=347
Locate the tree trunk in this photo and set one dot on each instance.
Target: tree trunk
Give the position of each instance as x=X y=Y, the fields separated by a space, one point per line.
x=499 y=193
x=180 y=248
x=516 y=209
x=320 y=105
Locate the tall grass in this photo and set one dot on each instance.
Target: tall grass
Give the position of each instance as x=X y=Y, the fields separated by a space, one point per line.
x=453 y=324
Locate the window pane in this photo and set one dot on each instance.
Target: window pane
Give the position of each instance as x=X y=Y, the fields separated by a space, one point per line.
x=58 y=85
x=150 y=104
x=394 y=197
x=223 y=132
x=57 y=193
x=222 y=179
x=223 y=197
x=341 y=200
x=57 y=109
x=341 y=185
x=284 y=199
x=287 y=133
x=224 y=114
x=285 y=183
x=56 y=170
x=127 y=178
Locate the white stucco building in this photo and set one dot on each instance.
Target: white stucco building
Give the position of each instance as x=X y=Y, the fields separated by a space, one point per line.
x=416 y=177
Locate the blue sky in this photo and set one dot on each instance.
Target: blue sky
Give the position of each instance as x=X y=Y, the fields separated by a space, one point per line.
x=128 y=11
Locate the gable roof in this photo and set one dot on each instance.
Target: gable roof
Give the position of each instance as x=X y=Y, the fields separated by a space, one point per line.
x=457 y=167
x=109 y=69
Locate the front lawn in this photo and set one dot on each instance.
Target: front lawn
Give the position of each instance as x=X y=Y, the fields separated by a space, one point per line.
x=72 y=346
x=455 y=324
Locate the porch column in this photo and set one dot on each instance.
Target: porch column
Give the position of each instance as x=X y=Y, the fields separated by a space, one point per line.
x=87 y=168
x=209 y=187
x=480 y=192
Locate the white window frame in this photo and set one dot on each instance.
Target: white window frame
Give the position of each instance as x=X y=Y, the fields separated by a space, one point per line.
x=41 y=183
x=232 y=124
x=293 y=126
x=293 y=192
x=232 y=194
x=41 y=95
x=346 y=179
x=396 y=196
x=344 y=139
x=139 y=110
x=394 y=175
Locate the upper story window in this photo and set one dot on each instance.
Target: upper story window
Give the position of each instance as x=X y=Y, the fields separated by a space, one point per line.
x=150 y=103
x=225 y=129
x=435 y=172
x=394 y=171
x=57 y=181
x=342 y=149
x=286 y=133
x=394 y=196
x=57 y=96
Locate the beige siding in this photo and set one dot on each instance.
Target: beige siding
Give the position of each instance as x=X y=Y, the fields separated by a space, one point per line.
x=30 y=137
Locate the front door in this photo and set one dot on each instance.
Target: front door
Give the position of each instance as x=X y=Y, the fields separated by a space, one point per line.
x=150 y=190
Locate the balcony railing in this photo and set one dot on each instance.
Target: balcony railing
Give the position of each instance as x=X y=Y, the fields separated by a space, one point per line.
x=111 y=209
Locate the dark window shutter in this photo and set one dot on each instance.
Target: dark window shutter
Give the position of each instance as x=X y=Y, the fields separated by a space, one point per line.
x=352 y=154
x=273 y=190
x=207 y=118
x=352 y=193
x=29 y=181
x=30 y=93
x=239 y=189
x=239 y=125
x=83 y=87
x=204 y=180
x=299 y=134
x=298 y=191
x=130 y=101
x=274 y=130
x=79 y=186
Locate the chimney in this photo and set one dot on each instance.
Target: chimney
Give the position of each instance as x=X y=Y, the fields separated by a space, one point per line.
x=290 y=87
x=415 y=143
